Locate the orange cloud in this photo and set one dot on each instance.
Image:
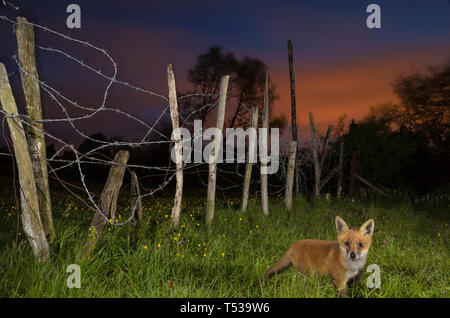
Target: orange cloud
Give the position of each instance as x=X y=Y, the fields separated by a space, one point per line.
x=349 y=87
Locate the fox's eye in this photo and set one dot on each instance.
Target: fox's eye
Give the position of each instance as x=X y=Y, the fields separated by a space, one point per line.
x=361 y=244
x=347 y=244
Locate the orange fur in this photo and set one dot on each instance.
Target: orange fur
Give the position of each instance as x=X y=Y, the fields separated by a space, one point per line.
x=342 y=260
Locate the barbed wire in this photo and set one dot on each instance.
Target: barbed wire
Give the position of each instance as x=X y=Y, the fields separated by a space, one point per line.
x=89 y=158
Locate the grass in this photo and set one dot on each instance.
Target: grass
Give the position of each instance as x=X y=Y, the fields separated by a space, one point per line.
x=410 y=245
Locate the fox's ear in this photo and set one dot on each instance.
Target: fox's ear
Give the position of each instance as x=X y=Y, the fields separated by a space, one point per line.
x=341 y=226
x=367 y=228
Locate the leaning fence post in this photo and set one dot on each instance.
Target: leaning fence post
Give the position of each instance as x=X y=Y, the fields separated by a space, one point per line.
x=34 y=129
x=323 y=154
x=315 y=156
x=176 y=136
x=264 y=151
x=251 y=158
x=136 y=195
x=211 y=194
x=290 y=175
x=31 y=220
x=108 y=201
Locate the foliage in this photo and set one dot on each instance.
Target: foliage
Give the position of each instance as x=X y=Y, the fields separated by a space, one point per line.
x=382 y=153
x=246 y=87
x=407 y=144
x=425 y=106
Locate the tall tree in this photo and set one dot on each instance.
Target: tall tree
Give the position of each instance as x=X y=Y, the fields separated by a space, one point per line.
x=205 y=77
x=424 y=115
x=425 y=106
x=382 y=153
x=246 y=87
x=249 y=84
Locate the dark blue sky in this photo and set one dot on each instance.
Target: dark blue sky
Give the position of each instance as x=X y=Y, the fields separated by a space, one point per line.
x=341 y=66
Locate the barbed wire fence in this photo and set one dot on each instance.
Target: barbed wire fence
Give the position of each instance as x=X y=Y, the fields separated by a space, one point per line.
x=152 y=135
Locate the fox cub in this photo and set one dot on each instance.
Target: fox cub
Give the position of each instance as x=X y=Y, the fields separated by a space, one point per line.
x=343 y=260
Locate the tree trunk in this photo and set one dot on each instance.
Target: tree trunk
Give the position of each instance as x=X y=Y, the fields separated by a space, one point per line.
x=35 y=134
x=176 y=210
x=290 y=175
x=315 y=156
x=108 y=201
x=31 y=220
x=238 y=109
x=264 y=152
x=211 y=195
x=251 y=155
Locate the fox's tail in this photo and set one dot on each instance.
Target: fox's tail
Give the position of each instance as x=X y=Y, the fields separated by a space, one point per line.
x=278 y=268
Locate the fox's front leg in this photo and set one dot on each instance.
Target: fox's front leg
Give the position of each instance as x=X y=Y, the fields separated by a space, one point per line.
x=342 y=290
x=340 y=284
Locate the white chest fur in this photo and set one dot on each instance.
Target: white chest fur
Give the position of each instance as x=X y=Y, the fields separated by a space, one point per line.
x=354 y=266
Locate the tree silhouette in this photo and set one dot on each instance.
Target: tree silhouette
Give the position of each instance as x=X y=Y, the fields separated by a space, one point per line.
x=205 y=76
x=424 y=115
x=425 y=106
x=382 y=152
x=246 y=86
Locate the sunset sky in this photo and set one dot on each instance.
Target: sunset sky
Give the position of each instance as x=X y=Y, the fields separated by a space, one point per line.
x=341 y=66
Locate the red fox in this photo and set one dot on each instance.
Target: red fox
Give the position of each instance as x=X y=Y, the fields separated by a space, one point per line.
x=343 y=260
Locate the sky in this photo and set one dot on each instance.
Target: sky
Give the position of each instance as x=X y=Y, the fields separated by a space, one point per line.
x=341 y=66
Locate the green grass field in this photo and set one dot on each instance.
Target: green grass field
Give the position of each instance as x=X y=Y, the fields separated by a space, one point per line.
x=410 y=245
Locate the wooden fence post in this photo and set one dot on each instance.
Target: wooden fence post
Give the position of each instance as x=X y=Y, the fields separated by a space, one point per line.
x=251 y=155
x=264 y=150
x=293 y=109
x=211 y=195
x=31 y=220
x=290 y=175
x=108 y=201
x=35 y=134
x=176 y=210
x=315 y=156
x=341 y=159
x=323 y=154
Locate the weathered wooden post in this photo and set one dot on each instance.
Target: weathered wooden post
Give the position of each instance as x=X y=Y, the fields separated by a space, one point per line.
x=176 y=136
x=341 y=158
x=34 y=129
x=211 y=194
x=31 y=220
x=293 y=109
x=264 y=151
x=251 y=156
x=324 y=152
x=315 y=156
x=108 y=201
x=290 y=175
